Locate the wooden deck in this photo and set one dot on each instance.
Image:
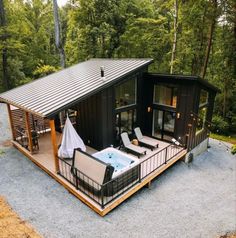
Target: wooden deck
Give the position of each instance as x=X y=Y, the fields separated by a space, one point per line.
x=45 y=160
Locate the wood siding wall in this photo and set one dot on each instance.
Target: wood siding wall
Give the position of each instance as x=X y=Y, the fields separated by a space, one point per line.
x=89 y=125
x=97 y=115
x=187 y=102
x=18 y=118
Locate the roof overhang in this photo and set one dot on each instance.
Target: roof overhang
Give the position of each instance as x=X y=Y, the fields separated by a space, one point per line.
x=183 y=79
x=49 y=95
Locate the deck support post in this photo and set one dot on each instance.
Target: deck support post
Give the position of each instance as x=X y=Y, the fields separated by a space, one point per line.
x=28 y=131
x=11 y=122
x=54 y=144
x=149 y=184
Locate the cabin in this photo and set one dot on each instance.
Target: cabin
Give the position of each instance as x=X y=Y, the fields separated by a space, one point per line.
x=104 y=98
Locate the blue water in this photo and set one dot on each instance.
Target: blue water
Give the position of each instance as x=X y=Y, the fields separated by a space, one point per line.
x=114 y=159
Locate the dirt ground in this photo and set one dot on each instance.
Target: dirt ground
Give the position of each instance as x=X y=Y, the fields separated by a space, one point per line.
x=229 y=236
x=11 y=226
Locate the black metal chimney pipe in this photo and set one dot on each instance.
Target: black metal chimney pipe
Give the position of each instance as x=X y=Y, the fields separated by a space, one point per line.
x=102 y=71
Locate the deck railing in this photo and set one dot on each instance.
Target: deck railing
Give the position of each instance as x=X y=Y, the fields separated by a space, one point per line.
x=104 y=194
x=159 y=159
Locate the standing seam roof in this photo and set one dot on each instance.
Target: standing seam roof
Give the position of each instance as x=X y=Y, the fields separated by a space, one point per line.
x=47 y=95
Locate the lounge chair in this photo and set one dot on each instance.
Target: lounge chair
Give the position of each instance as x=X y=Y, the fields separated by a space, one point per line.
x=137 y=150
x=145 y=140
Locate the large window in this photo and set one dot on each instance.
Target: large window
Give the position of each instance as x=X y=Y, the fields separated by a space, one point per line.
x=126 y=93
x=165 y=95
x=201 y=118
x=203 y=98
x=202 y=111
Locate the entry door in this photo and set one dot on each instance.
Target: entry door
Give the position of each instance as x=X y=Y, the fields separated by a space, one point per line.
x=163 y=124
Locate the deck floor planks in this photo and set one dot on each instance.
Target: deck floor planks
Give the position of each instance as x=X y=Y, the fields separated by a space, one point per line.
x=44 y=159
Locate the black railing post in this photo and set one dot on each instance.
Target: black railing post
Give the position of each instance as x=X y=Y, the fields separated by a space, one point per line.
x=102 y=196
x=139 y=173
x=166 y=155
x=76 y=179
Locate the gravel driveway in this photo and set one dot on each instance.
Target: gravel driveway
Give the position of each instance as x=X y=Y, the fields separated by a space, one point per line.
x=196 y=200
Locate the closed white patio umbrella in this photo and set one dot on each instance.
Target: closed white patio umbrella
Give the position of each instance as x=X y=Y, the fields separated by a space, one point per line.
x=70 y=141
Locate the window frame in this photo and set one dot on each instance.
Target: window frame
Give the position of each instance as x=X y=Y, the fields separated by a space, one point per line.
x=126 y=107
x=172 y=95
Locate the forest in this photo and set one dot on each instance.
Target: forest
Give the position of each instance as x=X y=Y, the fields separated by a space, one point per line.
x=190 y=37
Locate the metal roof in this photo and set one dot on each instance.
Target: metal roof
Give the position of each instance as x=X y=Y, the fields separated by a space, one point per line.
x=47 y=95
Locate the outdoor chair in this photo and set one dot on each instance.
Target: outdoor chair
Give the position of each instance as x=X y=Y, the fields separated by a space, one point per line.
x=145 y=140
x=35 y=141
x=137 y=150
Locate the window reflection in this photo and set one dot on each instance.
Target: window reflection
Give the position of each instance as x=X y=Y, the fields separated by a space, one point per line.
x=125 y=122
x=169 y=121
x=203 y=97
x=165 y=95
x=126 y=93
x=157 y=123
x=201 y=118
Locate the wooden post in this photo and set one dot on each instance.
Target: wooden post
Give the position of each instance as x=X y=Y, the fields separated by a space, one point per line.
x=28 y=131
x=148 y=185
x=11 y=122
x=54 y=144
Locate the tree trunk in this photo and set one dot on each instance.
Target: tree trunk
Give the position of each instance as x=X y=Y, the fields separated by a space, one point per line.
x=4 y=49
x=57 y=34
x=173 y=55
x=210 y=38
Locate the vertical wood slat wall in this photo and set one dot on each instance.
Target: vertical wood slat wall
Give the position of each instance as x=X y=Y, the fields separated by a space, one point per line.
x=18 y=120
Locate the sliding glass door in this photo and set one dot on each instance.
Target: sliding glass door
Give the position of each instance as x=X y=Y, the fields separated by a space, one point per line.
x=164 y=110
x=163 y=124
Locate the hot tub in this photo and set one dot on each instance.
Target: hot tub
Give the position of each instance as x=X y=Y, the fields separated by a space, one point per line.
x=106 y=172
x=119 y=160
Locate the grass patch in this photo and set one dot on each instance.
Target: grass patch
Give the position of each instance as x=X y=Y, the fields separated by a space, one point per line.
x=230 y=139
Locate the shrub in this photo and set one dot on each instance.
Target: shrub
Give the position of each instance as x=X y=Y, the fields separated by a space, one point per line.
x=219 y=125
x=233 y=149
x=233 y=124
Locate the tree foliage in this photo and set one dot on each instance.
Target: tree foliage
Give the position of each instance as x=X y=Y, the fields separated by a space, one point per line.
x=196 y=37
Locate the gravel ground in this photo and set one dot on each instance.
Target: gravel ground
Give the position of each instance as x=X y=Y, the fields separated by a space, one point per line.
x=196 y=200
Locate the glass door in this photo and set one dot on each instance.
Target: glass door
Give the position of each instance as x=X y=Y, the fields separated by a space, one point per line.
x=163 y=124
x=125 y=122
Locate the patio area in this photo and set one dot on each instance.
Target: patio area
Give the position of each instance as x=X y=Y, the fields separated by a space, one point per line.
x=151 y=165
